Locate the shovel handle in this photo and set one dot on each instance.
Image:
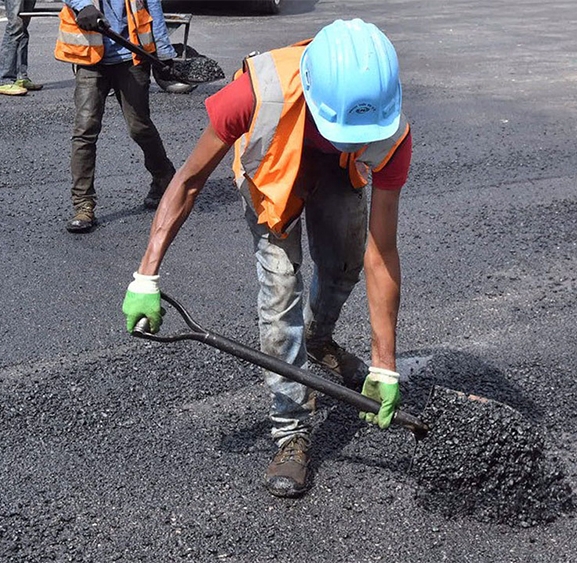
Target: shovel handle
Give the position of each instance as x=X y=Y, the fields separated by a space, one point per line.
x=276 y=365
x=142 y=328
x=104 y=28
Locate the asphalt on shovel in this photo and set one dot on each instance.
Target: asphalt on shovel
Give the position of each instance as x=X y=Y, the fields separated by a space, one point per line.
x=196 y=70
x=334 y=390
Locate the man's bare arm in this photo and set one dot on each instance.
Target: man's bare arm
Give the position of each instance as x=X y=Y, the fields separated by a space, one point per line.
x=383 y=276
x=179 y=198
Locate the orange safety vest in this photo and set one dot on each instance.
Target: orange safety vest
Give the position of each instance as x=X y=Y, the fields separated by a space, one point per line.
x=78 y=46
x=268 y=156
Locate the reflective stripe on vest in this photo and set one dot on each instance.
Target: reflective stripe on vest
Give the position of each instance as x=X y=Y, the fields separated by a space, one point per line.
x=78 y=46
x=140 y=32
x=74 y=45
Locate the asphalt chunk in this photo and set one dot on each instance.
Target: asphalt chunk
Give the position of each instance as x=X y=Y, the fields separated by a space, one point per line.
x=483 y=459
x=198 y=69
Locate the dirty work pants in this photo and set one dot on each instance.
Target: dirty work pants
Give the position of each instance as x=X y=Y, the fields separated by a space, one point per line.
x=14 y=49
x=336 y=225
x=131 y=85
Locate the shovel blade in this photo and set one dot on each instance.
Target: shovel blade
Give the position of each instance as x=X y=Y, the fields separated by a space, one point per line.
x=443 y=400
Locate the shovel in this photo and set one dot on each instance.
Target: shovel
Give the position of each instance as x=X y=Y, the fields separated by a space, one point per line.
x=334 y=390
x=197 y=70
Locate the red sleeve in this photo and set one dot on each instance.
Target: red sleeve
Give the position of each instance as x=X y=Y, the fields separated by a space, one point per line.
x=230 y=109
x=394 y=175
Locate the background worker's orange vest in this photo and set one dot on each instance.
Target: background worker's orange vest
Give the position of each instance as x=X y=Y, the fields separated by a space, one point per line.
x=78 y=46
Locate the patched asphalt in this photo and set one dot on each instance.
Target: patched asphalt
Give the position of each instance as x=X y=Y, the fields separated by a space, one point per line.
x=116 y=449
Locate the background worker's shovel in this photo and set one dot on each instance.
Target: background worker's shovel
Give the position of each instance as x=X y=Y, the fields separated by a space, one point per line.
x=362 y=403
x=196 y=70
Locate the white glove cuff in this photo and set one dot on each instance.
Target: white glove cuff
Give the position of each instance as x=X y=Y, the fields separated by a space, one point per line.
x=144 y=284
x=383 y=375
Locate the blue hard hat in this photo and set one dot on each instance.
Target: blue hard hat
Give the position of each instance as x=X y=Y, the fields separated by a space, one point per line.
x=350 y=78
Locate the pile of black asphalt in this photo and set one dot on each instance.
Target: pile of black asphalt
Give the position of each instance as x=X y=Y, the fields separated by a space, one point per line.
x=484 y=459
x=485 y=456
x=197 y=69
x=152 y=456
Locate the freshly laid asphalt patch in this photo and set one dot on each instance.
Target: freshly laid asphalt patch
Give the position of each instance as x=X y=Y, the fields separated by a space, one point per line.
x=145 y=454
x=484 y=459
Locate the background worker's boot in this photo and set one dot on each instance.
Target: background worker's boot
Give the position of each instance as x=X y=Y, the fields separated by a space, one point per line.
x=287 y=473
x=157 y=188
x=83 y=220
x=343 y=364
x=28 y=84
x=12 y=90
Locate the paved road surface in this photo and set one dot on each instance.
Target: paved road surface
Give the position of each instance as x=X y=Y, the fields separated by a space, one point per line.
x=116 y=450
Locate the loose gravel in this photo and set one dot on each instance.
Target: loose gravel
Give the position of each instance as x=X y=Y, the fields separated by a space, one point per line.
x=198 y=70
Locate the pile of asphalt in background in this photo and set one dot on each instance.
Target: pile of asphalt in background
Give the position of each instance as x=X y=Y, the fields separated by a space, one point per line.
x=485 y=460
x=198 y=69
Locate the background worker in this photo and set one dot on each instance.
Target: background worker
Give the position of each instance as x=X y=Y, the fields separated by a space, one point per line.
x=102 y=66
x=308 y=122
x=14 y=79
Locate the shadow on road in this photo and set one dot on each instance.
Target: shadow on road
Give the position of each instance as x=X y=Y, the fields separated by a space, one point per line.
x=123 y=214
x=465 y=373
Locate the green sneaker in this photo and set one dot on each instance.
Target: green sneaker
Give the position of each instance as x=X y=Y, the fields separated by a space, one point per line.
x=28 y=84
x=12 y=90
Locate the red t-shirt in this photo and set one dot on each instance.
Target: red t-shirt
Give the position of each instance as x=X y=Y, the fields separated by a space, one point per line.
x=230 y=112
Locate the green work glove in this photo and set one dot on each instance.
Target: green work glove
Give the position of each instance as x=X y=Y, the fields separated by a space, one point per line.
x=381 y=385
x=143 y=300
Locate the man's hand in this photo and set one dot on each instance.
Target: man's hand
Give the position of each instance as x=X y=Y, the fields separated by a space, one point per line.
x=143 y=300
x=88 y=18
x=381 y=385
x=167 y=72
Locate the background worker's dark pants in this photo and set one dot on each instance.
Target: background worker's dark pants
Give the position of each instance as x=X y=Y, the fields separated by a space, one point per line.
x=131 y=85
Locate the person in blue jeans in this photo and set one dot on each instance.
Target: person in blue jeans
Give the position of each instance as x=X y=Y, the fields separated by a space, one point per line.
x=101 y=66
x=313 y=125
x=14 y=79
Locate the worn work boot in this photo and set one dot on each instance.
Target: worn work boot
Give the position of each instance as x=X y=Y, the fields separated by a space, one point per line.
x=28 y=84
x=83 y=220
x=286 y=475
x=157 y=188
x=343 y=364
x=12 y=90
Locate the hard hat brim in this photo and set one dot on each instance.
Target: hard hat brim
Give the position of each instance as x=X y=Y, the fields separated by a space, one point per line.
x=337 y=133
